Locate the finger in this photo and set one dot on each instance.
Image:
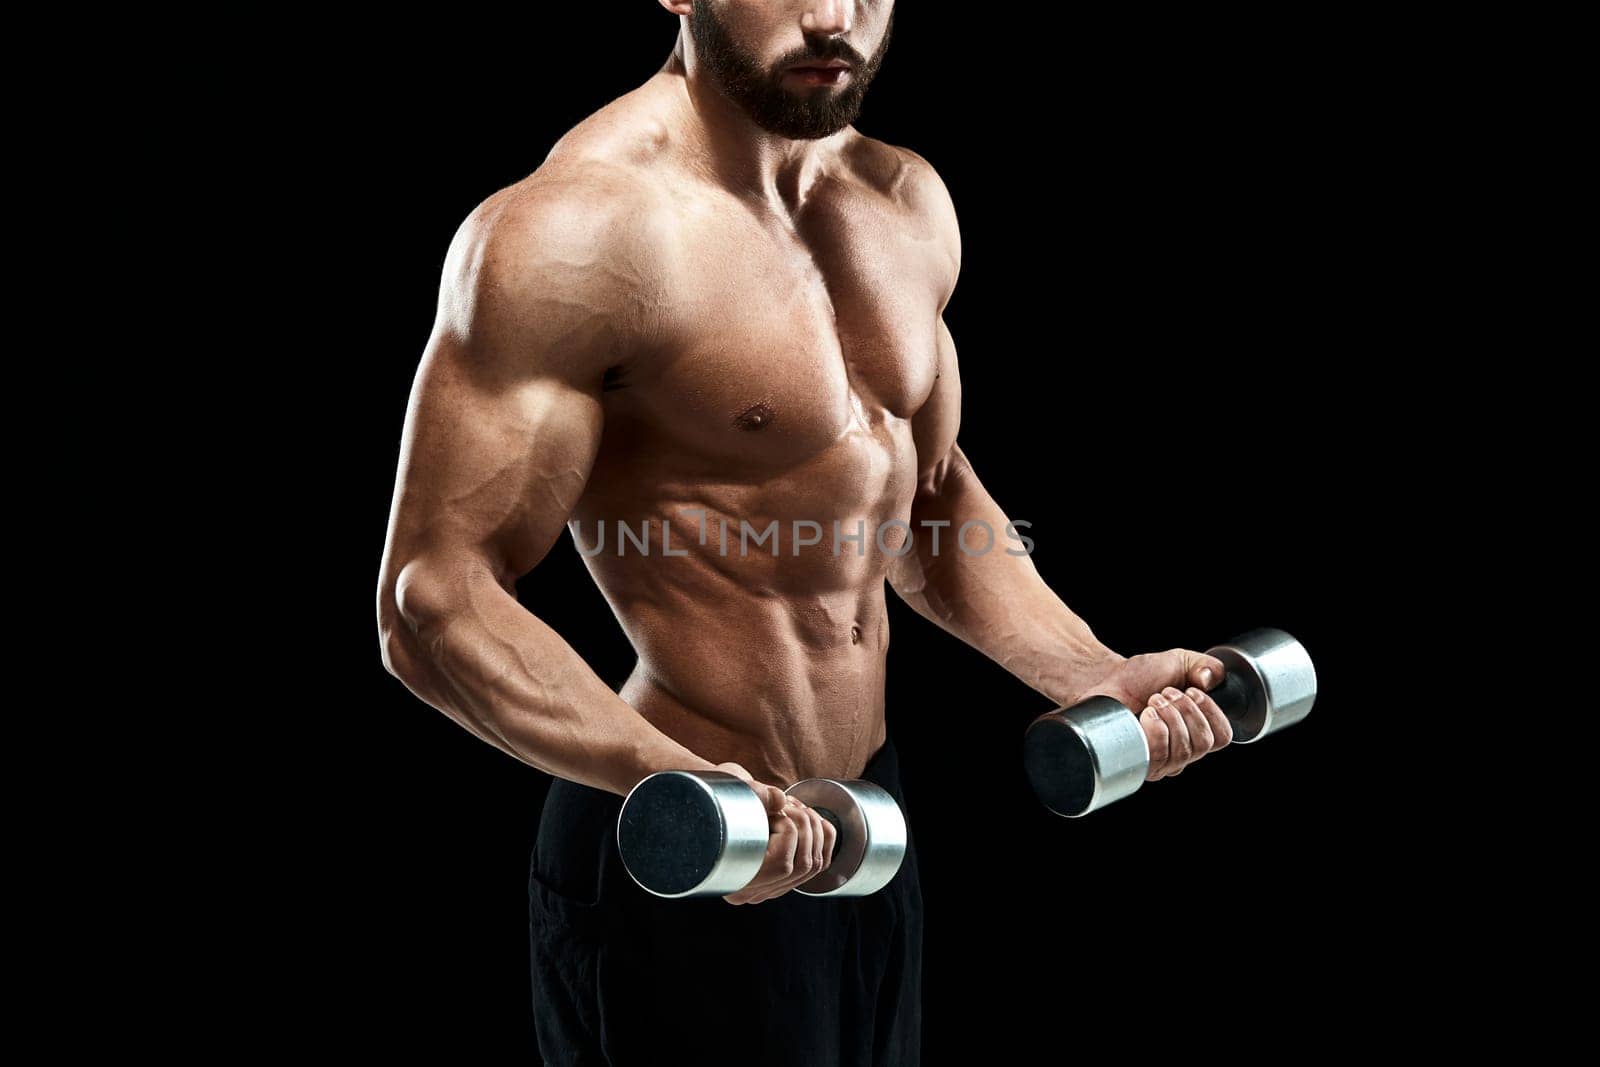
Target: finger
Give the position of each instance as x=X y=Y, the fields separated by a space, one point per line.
x=830 y=837
x=1178 y=745
x=805 y=851
x=742 y=896
x=1221 y=728
x=806 y=862
x=778 y=867
x=786 y=876
x=781 y=842
x=1156 y=736
x=817 y=823
x=776 y=800
x=1199 y=726
x=1201 y=670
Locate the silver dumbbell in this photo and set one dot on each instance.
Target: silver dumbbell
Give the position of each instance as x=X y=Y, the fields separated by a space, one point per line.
x=1084 y=757
x=694 y=834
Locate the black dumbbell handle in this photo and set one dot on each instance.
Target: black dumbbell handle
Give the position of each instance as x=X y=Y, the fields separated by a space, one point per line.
x=1232 y=695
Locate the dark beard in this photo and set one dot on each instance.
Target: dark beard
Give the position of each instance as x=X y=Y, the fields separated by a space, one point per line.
x=760 y=93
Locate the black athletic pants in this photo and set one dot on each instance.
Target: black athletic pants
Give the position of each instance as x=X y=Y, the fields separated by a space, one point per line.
x=623 y=977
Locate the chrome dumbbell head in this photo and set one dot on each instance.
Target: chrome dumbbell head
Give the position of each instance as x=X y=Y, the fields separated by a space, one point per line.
x=1270 y=683
x=871 y=841
x=685 y=834
x=1084 y=757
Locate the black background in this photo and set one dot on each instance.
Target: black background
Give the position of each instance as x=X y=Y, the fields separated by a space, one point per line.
x=1163 y=320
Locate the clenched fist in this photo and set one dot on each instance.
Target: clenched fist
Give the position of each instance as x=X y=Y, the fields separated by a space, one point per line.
x=1180 y=720
x=799 y=845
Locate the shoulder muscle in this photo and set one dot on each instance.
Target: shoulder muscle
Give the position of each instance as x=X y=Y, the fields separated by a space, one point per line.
x=912 y=182
x=554 y=276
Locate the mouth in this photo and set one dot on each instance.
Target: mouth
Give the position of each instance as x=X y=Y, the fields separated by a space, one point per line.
x=823 y=72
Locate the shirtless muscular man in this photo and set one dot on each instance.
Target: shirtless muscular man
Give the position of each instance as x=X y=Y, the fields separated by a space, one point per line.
x=716 y=305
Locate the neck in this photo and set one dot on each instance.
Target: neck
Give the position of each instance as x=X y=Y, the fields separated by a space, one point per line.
x=737 y=153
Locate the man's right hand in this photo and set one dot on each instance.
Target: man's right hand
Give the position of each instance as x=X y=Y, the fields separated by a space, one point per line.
x=799 y=845
x=1180 y=724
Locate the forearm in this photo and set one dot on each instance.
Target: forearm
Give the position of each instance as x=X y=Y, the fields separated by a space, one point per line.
x=476 y=654
x=994 y=600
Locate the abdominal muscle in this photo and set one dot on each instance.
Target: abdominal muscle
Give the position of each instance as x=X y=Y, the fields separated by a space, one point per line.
x=772 y=660
x=744 y=659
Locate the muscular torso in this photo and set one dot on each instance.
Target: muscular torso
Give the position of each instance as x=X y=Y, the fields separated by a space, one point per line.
x=798 y=342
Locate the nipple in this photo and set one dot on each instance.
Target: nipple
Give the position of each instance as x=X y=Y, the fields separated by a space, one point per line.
x=755 y=417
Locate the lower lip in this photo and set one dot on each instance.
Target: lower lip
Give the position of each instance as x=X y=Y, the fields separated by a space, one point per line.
x=814 y=76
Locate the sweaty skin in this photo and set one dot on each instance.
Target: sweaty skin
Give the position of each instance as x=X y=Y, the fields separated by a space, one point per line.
x=680 y=324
